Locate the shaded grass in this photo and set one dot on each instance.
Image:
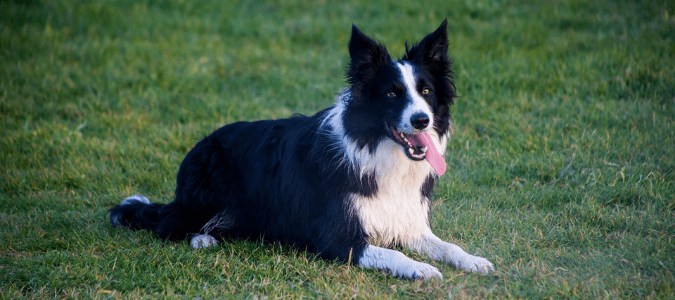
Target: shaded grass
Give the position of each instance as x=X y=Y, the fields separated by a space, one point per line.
x=560 y=164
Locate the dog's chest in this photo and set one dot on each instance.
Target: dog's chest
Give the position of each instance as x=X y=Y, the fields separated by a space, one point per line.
x=398 y=213
x=393 y=219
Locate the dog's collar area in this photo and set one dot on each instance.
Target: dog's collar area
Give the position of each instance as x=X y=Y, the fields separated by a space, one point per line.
x=412 y=148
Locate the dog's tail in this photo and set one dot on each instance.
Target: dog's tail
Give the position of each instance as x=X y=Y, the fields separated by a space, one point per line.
x=166 y=220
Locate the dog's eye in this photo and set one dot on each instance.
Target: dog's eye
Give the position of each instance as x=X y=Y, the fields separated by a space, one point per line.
x=425 y=91
x=391 y=94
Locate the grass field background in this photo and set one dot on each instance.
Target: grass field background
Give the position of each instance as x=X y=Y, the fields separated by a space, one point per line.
x=561 y=166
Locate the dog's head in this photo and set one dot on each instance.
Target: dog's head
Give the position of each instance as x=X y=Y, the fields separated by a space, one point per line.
x=403 y=100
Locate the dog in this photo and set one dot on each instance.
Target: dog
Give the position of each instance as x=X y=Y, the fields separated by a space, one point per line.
x=348 y=183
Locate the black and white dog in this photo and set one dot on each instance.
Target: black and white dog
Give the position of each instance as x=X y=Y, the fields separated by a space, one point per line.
x=348 y=183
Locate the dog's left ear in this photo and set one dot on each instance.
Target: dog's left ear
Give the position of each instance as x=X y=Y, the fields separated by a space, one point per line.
x=433 y=48
x=432 y=54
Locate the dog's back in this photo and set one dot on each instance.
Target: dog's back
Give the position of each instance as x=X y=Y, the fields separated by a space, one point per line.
x=275 y=179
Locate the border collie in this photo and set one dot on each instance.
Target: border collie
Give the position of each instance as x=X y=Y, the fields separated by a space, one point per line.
x=348 y=183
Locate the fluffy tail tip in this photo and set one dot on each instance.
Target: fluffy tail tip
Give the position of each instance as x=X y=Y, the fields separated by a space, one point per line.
x=135 y=198
x=116 y=214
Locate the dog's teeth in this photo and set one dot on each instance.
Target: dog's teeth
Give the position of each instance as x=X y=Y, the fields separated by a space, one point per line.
x=411 y=151
x=424 y=149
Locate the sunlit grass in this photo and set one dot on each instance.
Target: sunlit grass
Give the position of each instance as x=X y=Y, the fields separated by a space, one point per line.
x=560 y=169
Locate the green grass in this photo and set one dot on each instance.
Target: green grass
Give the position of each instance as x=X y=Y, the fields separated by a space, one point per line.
x=561 y=164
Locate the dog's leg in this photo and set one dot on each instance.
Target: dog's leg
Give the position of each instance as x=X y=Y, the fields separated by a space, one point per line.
x=221 y=221
x=203 y=241
x=397 y=263
x=437 y=249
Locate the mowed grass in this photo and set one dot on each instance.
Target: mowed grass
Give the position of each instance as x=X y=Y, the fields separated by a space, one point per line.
x=561 y=163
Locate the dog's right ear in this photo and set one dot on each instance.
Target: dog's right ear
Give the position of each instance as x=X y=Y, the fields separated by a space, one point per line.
x=366 y=55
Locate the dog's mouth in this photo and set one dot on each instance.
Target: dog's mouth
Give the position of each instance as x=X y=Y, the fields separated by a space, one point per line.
x=413 y=148
x=418 y=147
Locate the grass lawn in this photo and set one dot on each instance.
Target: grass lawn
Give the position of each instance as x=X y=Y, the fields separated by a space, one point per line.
x=561 y=167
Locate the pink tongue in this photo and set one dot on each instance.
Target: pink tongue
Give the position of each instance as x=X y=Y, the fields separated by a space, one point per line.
x=433 y=157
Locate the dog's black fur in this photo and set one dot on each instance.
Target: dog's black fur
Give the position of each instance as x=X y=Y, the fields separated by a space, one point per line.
x=258 y=173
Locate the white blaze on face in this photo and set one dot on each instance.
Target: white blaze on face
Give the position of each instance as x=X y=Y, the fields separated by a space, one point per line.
x=417 y=103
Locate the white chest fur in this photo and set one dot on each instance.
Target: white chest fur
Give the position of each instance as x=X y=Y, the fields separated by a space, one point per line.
x=398 y=212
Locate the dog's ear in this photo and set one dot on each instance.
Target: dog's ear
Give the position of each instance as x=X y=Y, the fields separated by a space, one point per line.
x=432 y=49
x=432 y=54
x=366 y=55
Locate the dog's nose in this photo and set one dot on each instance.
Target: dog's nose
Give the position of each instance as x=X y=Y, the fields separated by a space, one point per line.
x=419 y=120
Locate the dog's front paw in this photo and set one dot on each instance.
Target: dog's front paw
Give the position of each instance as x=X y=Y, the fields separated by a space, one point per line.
x=203 y=241
x=417 y=270
x=397 y=263
x=471 y=263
